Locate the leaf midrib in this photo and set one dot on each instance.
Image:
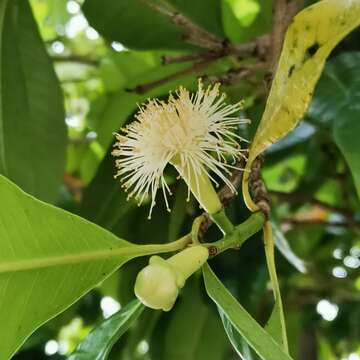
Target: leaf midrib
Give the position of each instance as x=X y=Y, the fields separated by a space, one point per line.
x=62 y=260
x=130 y=252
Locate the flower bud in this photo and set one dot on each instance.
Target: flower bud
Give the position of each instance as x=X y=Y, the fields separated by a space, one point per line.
x=157 y=285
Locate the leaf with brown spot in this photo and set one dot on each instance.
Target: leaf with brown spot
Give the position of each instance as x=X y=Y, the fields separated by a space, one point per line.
x=310 y=38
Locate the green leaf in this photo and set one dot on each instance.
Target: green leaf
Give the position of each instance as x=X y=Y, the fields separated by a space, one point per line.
x=48 y=15
x=276 y=325
x=104 y=201
x=32 y=127
x=339 y=82
x=273 y=325
x=118 y=68
x=98 y=344
x=134 y=23
x=244 y=20
x=263 y=343
x=206 y=14
x=48 y=259
x=310 y=38
x=285 y=175
x=138 y=25
x=335 y=105
x=346 y=134
x=237 y=341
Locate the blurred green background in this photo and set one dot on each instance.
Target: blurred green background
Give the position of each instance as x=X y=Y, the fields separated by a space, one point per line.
x=310 y=175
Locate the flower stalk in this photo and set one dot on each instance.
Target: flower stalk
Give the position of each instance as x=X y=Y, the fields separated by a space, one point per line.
x=239 y=235
x=199 y=184
x=223 y=222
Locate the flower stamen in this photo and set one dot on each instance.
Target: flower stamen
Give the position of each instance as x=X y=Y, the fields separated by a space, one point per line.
x=194 y=132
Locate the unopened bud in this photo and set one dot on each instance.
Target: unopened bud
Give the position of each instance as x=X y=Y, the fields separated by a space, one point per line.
x=157 y=285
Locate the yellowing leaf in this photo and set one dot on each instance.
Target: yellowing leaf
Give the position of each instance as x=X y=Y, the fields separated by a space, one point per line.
x=313 y=34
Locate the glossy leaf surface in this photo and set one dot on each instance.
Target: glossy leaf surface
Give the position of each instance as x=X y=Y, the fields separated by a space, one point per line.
x=261 y=341
x=97 y=345
x=48 y=259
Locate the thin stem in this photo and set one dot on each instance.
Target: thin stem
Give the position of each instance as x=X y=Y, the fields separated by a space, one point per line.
x=239 y=235
x=233 y=76
x=164 y=248
x=193 y=34
x=196 y=67
x=278 y=31
x=196 y=228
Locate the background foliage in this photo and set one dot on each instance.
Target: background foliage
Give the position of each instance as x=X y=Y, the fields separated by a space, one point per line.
x=102 y=58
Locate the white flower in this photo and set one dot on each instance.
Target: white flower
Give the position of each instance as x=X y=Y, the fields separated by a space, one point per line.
x=196 y=132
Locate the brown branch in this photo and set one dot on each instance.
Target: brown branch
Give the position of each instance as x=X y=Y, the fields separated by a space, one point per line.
x=292 y=9
x=277 y=32
x=256 y=48
x=259 y=47
x=184 y=58
x=77 y=59
x=209 y=55
x=193 y=34
x=233 y=76
x=196 y=67
x=257 y=186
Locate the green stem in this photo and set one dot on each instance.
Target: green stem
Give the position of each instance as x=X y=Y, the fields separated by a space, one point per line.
x=223 y=222
x=239 y=234
x=164 y=248
x=196 y=228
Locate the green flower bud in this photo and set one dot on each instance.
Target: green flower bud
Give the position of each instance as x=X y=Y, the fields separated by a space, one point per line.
x=157 y=285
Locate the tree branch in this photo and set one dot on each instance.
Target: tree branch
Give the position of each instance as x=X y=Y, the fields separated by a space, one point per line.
x=233 y=76
x=193 y=34
x=198 y=66
x=254 y=48
x=277 y=32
